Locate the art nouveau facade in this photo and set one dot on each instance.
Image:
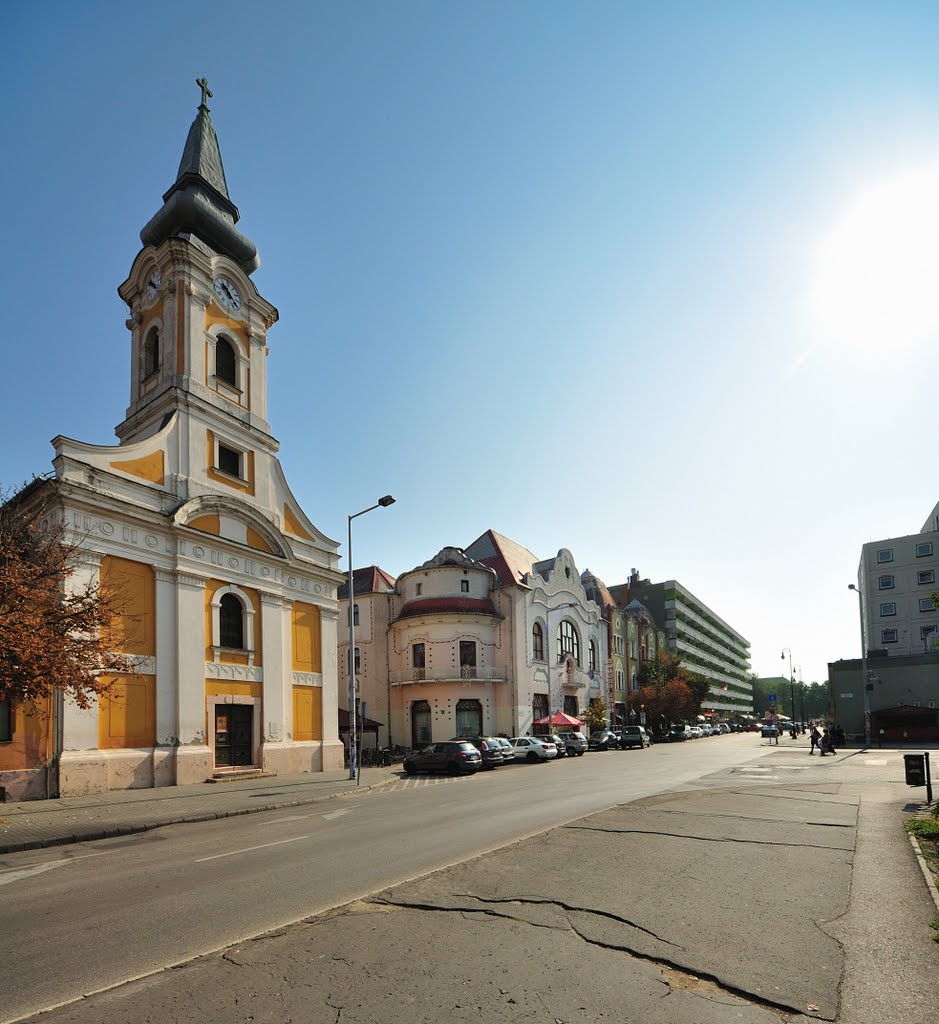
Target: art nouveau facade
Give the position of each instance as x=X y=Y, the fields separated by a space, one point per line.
x=485 y=639
x=227 y=592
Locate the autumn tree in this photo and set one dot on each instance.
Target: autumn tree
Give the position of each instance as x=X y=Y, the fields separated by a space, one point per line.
x=668 y=691
x=53 y=628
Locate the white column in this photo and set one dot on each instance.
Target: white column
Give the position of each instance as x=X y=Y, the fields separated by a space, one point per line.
x=329 y=622
x=277 y=666
x=167 y=703
x=82 y=767
x=193 y=758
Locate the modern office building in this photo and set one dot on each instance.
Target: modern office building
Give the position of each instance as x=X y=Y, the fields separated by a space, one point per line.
x=896 y=580
x=706 y=643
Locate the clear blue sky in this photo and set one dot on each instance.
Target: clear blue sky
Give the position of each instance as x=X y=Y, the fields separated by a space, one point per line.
x=554 y=269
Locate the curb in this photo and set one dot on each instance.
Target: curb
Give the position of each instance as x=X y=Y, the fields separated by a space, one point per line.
x=115 y=831
x=928 y=876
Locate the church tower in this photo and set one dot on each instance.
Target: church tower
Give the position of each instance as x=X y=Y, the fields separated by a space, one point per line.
x=227 y=591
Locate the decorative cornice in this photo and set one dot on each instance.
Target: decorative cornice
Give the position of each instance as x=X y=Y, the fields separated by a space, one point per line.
x=187 y=579
x=165 y=575
x=225 y=670
x=308 y=679
x=274 y=600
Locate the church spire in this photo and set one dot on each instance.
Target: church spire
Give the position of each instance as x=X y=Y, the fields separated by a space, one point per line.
x=198 y=202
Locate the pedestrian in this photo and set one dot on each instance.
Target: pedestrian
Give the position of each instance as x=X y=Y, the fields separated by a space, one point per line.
x=880 y=737
x=815 y=736
x=828 y=746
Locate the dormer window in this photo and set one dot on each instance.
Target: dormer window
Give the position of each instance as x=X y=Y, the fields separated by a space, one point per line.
x=226 y=366
x=151 y=352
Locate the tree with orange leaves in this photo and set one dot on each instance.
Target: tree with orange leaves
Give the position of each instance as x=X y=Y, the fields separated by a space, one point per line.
x=668 y=690
x=53 y=632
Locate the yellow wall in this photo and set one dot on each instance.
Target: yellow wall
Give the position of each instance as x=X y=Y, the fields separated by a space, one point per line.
x=130 y=588
x=228 y=687
x=127 y=713
x=231 y=657
x=207 y=524
x=147 y=467
x=292 y=524
x=31 y=743
x=307 y=713
x=256 y=541
x=306 y=632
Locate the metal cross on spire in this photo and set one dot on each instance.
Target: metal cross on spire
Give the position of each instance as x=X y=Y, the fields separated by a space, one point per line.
x=206 y=92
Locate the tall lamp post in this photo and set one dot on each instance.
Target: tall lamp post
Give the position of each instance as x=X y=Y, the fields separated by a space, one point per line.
x=353 y=717
x=867 y=700
x=798 y=669
x=792 y=685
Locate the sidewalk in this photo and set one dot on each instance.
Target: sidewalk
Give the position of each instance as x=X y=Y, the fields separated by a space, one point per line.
x=38 y=823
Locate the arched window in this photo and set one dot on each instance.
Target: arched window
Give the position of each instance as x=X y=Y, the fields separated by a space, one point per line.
x=592 y=656
x=539 y=709
x=420 y=724
x=568 y=641
x=231 y=621
x=469 y=718
x=355 y=615
x=151 y=352
x=537 y=642
x=225 y=362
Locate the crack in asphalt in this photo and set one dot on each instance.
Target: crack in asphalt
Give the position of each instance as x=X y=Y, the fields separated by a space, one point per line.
x=700 y=839
x=526 y=901
x=660 y=961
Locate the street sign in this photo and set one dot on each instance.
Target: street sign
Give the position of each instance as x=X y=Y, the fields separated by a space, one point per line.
x=773 y=698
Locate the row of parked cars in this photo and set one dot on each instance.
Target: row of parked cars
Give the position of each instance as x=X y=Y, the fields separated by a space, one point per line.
x=466 y=755
x=694 y=732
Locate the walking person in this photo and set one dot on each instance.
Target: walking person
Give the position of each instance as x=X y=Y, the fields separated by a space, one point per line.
x=827 y=744
x=815 y=736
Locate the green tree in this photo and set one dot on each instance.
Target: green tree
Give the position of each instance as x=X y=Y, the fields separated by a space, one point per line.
x=668 y=692
x=595 y=715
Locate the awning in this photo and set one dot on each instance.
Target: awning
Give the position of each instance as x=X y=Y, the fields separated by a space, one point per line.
x=559 y=718
x=368 y=725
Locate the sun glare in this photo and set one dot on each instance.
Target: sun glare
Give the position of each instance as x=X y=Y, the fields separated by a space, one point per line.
x=876 y=286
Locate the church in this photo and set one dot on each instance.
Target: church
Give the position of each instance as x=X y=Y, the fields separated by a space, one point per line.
x=227 y=592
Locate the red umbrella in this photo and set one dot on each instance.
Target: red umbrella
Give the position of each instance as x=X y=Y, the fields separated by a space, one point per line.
x=559 y=718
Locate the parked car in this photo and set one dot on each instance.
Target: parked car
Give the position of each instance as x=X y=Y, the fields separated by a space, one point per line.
x=678 y=732
x=725 y=728
x=605 y=739
x=558 y=742
x=575 y=743
x=489 y=748
x=694 y=732
x=634 y=736
x=453 y=756
x=533 y=748
x=508 y=751
x=769 y=732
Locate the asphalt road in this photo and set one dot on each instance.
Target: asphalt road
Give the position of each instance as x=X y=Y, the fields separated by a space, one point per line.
x=82 y=919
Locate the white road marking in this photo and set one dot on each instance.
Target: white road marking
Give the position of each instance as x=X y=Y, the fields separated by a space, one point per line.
x=248 y=849
x=293 y=817
x=336 y=814
x=876 y=761
x=36 y=869
x=753 y=768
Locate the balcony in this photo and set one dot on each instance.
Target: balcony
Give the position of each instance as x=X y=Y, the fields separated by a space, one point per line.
x=457 y=674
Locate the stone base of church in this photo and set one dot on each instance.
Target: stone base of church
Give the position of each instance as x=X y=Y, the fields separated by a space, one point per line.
x=83 y=773
x=334 y=756
x=293 y=758
x=193 y=764
x=24 y=784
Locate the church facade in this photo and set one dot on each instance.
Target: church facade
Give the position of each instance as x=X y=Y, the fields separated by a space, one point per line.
x=227 y=592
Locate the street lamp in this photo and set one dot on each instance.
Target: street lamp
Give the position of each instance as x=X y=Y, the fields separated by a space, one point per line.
x=792 y=688
x=353 y=717
x=798 y=668
x=867 y=700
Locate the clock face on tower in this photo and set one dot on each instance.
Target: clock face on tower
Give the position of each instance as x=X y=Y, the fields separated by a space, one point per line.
x=227 y=294
x=153 y=284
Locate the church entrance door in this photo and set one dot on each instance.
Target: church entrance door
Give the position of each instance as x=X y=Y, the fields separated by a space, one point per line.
x=233 y=728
